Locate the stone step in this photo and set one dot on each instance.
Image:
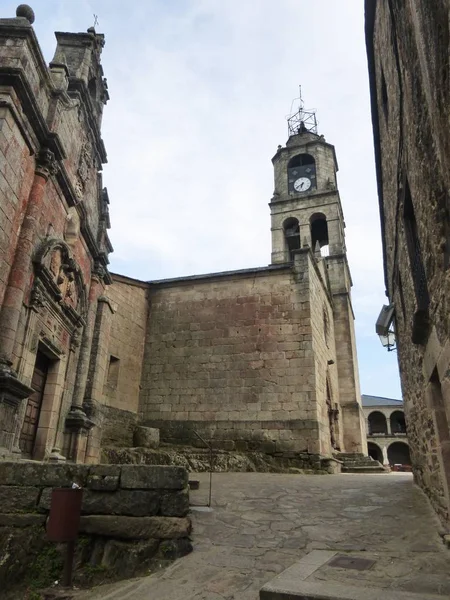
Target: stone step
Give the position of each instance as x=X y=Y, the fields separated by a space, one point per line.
x=364 y=469
x=361 y=463
x=344 y=455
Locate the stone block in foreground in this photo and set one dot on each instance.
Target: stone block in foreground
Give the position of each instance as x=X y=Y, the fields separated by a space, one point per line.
x=136 y=528
x=146 y=437
x=147 y=477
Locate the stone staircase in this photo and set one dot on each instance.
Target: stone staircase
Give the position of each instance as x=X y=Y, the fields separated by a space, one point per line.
x=358 y=463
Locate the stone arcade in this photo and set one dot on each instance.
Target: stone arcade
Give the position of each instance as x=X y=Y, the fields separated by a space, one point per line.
x=260 y=359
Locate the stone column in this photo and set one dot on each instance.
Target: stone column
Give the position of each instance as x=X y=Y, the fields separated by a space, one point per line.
x=57 y=453
x=388 y=425
x=96 y=378
x=385 y=455
x=19 y=277
x=77 y=421
x=12 y=390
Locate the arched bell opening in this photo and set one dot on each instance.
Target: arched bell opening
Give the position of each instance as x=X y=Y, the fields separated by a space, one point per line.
x=291 y=228
x=319 y=233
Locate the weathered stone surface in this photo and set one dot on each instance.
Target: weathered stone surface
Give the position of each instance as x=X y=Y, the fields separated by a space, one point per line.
x=136 y=528
x=135 y=503
x=171 y=549
x=42 y=474
x=18 y=498
x=197 y=460
x=153 y=477
x=415 y=219
x=175 y=504
x=126 y=557
x=21 y=520
x=104 y=477
x=146 y=437
x=119 y=423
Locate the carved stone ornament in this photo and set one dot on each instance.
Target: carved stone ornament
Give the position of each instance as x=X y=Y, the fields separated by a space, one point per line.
x=83 y=171
x=46 y=164
x=75 y=340
x=37 y=299
x=99 y=270
x=58 y=278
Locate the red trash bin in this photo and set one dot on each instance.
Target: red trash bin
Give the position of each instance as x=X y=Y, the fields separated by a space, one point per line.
x=64 y=518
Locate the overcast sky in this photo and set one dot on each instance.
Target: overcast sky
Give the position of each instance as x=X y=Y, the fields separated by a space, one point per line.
x=199 y=94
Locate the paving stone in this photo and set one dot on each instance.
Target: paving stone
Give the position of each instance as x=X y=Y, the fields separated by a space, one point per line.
x=401 y=534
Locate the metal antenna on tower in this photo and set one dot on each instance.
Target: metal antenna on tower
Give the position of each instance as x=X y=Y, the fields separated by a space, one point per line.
x=302 y=120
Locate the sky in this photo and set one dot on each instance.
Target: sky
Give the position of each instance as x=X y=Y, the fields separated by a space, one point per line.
x=199 y=94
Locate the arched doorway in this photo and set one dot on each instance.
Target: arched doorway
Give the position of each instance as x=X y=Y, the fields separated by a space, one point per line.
x=375 y=452
x=398 y=424
x=398 y=454
x=377 y=423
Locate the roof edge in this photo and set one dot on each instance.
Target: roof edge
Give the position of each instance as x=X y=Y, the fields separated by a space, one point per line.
x=370 y=7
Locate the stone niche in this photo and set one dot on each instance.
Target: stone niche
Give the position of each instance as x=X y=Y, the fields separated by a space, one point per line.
x=131 y=515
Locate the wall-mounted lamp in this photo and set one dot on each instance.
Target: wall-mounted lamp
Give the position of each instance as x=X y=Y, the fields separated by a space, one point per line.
x=385 y=327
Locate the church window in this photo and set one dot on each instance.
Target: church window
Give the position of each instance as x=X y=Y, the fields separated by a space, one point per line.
x=112 y=376
x=291 y=229
x=319 y=233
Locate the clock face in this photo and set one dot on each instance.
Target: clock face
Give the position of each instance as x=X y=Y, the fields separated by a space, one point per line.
x=302 y=184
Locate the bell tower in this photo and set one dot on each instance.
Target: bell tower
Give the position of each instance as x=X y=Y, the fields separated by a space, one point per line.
x=306 y=213
x=305 y=208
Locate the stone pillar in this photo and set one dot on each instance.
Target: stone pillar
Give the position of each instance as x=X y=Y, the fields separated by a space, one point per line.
x=349 y=393
x=57 y=453
x=77 y=421
x=12 y=390
x=96 y=378
x=19 y=277
x=388 y=425
x=385 y=455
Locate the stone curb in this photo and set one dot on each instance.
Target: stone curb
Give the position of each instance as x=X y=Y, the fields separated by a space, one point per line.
x=291 y=585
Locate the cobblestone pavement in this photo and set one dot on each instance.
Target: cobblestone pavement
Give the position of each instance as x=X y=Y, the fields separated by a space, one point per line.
x=262 y=523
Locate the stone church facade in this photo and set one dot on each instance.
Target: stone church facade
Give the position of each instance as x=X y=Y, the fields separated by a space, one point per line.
x=408 y=54
x=260 y=359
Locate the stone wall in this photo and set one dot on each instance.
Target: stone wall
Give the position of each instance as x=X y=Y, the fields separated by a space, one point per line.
x=126 y=509
x=326 y=394
x=247 y=359
x=15 y=182
x=118 y=427
x=126 y=344
x=408 y=50
x=231 y=356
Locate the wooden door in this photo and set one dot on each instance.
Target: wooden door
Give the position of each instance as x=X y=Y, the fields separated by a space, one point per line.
x=30 y=423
